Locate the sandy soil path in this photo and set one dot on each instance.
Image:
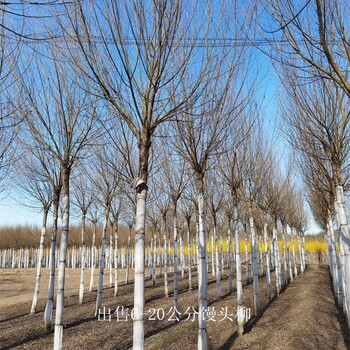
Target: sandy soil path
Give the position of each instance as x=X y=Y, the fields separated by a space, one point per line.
x=304 y=317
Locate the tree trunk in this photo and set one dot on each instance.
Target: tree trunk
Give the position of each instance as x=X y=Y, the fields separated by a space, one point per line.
x=217 y=265
x=255 y=262
x=176 y=301
x=93 y=258
x=189 y=256
x=154 y=257
x=166 y=290
x=293 y=252
x=229 y=259
x=111 y=257
x=246 y=255
x=182 y=254
x=336 y=273
x=51 y=285
x=116 y=257
x=127 y=273
x=284 y=255
x=212 y=254
x=240 y=320
x=39 y=262
x=267 y=259
x=202 y=266
x=102 y=259
x=82 y=267
x=344 y=245
x=58 y=337
x=139 y=284
x=276 y=257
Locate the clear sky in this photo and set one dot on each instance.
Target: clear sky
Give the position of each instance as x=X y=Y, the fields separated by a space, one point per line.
x=13 y=213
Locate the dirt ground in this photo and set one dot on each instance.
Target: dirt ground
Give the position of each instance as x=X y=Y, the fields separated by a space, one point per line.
x=305 y=316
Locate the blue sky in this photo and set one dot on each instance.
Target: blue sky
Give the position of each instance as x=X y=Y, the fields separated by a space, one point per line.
x=13 y=213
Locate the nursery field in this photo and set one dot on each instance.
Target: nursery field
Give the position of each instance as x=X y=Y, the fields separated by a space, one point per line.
x=305 y=316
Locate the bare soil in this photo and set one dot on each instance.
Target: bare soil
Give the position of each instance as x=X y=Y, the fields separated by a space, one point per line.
x=305 y=316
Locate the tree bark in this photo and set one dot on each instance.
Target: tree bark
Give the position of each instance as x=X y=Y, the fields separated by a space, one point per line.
x=202 y=266
x=40 y=260
x=58 y=337
x=102 y=259
x=82 y=267
x=344 y=245
x=189 y=256
x=229 y=259
x=139 y=284
x=217 y=265
x=267 y=260
x=254 y=262
x=116 y=257
x=93 y=258
x=51 y=285
x=240 y=320
x=176 y=300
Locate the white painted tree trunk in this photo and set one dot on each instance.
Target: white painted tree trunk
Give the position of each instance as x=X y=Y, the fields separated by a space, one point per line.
x=116 y=232
x=111 y=259
x=217 y=265
x=51 y=285
x=267 y=261
x=176 y=301
x=154 y=257
x=344 y=244
x=182 y=254
x=293 y=252
x=336 y=274
x=240 y=320
x=229 y=260
x=300 y=252
x=278 y=273
x=254 y=262
x=202 y=270
x=102 y=260
x=139 y=280
x=58 y=336
x=161 y=256
x=82 y=267
x=189 y=257
x=246 y=256
x=39 y=262
x=166 y=289
x=127 y=274
x=303 y=265
x=284 y=256
x=212 y=255
x=289 y=263
x=93 y=251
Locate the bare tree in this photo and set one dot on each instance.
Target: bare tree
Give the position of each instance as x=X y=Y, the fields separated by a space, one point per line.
x=200 y=133
x=36 y=188
x=312 y=36
x=116 y=209
x=94 y=216
x=254 y=170
x=60 y=117
x=172 y=171
x=187 y=209
x=137 y=58
x=319 y=127
x=83 y=198
x=215 y=202
x=105 y=179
